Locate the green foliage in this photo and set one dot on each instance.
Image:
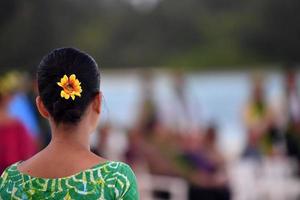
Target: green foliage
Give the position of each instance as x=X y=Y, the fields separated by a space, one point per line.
x=190 y=33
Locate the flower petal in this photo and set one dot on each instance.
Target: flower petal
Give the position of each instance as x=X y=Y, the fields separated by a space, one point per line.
x=76 y=82
x=73 y=78
x=67 y=96
x=77 y=94
x=62 y=94
x=64 y=80
x=76 y=88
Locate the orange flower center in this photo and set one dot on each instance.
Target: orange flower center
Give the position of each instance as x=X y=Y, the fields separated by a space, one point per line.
x=70 y=87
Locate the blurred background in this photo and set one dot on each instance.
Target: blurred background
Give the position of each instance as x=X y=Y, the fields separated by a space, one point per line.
x=201 y=97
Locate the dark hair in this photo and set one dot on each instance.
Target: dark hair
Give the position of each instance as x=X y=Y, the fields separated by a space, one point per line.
x=67 y=61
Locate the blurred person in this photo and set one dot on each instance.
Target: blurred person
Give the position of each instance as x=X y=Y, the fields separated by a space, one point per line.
x=146 y=135
x=16 y=142
x=252 y=150
x=151 y=138
x=292 y=96
x=161 y=151
x=135 y=156
x=259 y=117
x=208 y=179
x=21 y=107
x=292 y=135
x=70 y=98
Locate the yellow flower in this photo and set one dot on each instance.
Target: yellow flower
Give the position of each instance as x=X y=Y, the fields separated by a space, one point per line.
x=71 y=87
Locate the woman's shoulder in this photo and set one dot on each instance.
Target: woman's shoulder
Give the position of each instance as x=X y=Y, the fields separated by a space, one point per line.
x=116 y=172
x=116 y=168
x=107 y=167
x=121 y=179
x=8 y=173
x=117 y=164
x=109 y=172
x=11 y=169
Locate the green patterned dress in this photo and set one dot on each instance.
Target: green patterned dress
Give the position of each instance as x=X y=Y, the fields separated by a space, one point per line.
x=105 y=181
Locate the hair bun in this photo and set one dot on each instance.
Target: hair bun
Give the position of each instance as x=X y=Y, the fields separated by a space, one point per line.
x=65 y=113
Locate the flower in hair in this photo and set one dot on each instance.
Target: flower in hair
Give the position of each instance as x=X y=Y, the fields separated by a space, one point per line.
x=71 y=87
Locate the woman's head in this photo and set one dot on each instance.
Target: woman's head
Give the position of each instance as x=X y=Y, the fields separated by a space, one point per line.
x=62 y=63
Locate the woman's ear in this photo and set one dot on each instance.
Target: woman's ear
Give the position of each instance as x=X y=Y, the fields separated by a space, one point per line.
x=41 y=107
x=97 y=103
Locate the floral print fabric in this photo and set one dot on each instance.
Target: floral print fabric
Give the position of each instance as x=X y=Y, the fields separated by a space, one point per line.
x=106 y=181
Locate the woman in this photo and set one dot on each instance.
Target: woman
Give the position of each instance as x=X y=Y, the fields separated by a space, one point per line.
x=69 y=97
x=16 y=142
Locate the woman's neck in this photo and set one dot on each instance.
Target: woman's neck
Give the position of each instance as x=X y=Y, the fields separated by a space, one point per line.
x=71 y=138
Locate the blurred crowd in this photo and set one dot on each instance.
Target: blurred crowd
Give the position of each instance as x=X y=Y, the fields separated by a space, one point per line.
x=182 y=150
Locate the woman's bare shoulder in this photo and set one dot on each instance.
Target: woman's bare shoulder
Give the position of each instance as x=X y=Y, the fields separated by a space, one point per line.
x=45 y=165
